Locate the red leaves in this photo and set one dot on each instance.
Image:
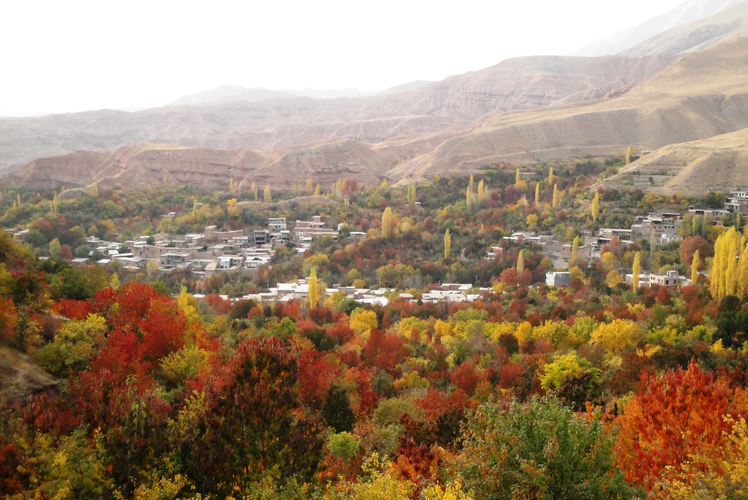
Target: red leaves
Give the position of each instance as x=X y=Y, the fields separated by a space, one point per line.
x=675 y=417
x=385 y=351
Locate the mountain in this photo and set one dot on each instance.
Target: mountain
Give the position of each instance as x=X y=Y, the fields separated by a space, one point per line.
x=229 y=93
x=701 y=95
x=691 y=10
x=698 y=35
x=447 y=107
x=690 y=168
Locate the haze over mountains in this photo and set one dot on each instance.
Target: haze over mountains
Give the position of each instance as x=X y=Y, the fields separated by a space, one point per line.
x=688 y=83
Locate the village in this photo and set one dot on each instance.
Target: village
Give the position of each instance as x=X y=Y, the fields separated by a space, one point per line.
x=215 y=251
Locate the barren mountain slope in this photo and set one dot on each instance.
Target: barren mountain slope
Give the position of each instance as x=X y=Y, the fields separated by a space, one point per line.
x=697 y=35
x=690 y=168
x=684 y=13
x=140 y=166
x=452 y=104
x=702 y=95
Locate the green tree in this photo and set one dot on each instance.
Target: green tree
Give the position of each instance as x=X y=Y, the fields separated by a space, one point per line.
x=539 y=449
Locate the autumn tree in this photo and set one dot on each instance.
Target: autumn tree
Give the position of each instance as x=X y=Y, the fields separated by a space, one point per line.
x=595 y=210
x=556 y=196
x=411 y=194
x=675 y=417
x=537 y=195
x=268 y=194
x=387 y=222
x=313 y=290
x=481 y=192
x=538 y=449
x=447 y=243
x=695 y=267
x=636 y=270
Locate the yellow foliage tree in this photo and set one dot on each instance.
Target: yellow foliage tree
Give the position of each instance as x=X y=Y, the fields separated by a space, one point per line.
x=362 y=321
x=743 y=272
x=316 y=190
x=268 y=194
x=313 y=292
x=616 y=336
x=595 y=206
x=550 y=176
x=387 y=222
x=636 y=270
x=695 y=268
x=520 y=264
x=481 y=191
x=468 y=196
x=724 y=270
x=447 y=243
x=537 y=195
x=309 y=186
x=556 y=196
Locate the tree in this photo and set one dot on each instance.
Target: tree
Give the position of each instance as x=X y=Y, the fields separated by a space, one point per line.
x=411 y=194
x=556 y=196
x=695 y=267
x=595 y=206
x=574 y=248
x=636 y=270
x=316 y=190
x=268 y=194
x=743 y=272
x=481 y=191
x=468 y=196
x=387 y=222
x=520 y=263
x=537 y=195
x=724 y=270
x=539 y=449
x=550 y=176
x=54 y=249
x=447 y=243
x=309 y=186
x=674 y=417
x=313 y=292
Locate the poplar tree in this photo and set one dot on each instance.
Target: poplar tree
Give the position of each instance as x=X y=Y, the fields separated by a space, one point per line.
x=628 y=155
x=268 y=194
x=537 y=195
x=313 y=292
x=309 y=186
x=254 y=190
x=481 y=191
x=411 y=194
x=316 y=190
x=556 y=196
x=550 y=176
x=517 y=177
x=55 y=204
x=387 y=223
x=574 y=248
x=520 y=264
x=595 y=207
x=743 y=272
x=468 y=195
x=695 y=268
x=447 y=243
x=95 y=188
x=471 y=182
x=636 y=271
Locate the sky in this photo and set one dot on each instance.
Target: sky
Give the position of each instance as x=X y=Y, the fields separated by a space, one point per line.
x=67 y=56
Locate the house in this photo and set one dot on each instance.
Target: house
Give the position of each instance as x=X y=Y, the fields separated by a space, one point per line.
x=276 y=224
x=305 y=231
x=737 y=201
x=557 y=278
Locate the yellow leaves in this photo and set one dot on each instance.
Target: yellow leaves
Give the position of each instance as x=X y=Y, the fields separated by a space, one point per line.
x=442 y=329
x=452 y=491
x=617 y=336
x=362 y=321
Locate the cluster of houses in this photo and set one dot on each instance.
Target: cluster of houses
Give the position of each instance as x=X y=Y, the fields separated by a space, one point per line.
x=213 y=250
x=299 y=290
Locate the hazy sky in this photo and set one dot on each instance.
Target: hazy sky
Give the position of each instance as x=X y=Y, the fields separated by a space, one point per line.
x=60 y=56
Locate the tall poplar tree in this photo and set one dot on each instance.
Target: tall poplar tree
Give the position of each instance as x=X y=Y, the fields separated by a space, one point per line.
x=595 y=206
x=695 y=268
x=537 y=195
x=447 y=243
x=637 y=270
x=387 y=223
x=268 y=194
